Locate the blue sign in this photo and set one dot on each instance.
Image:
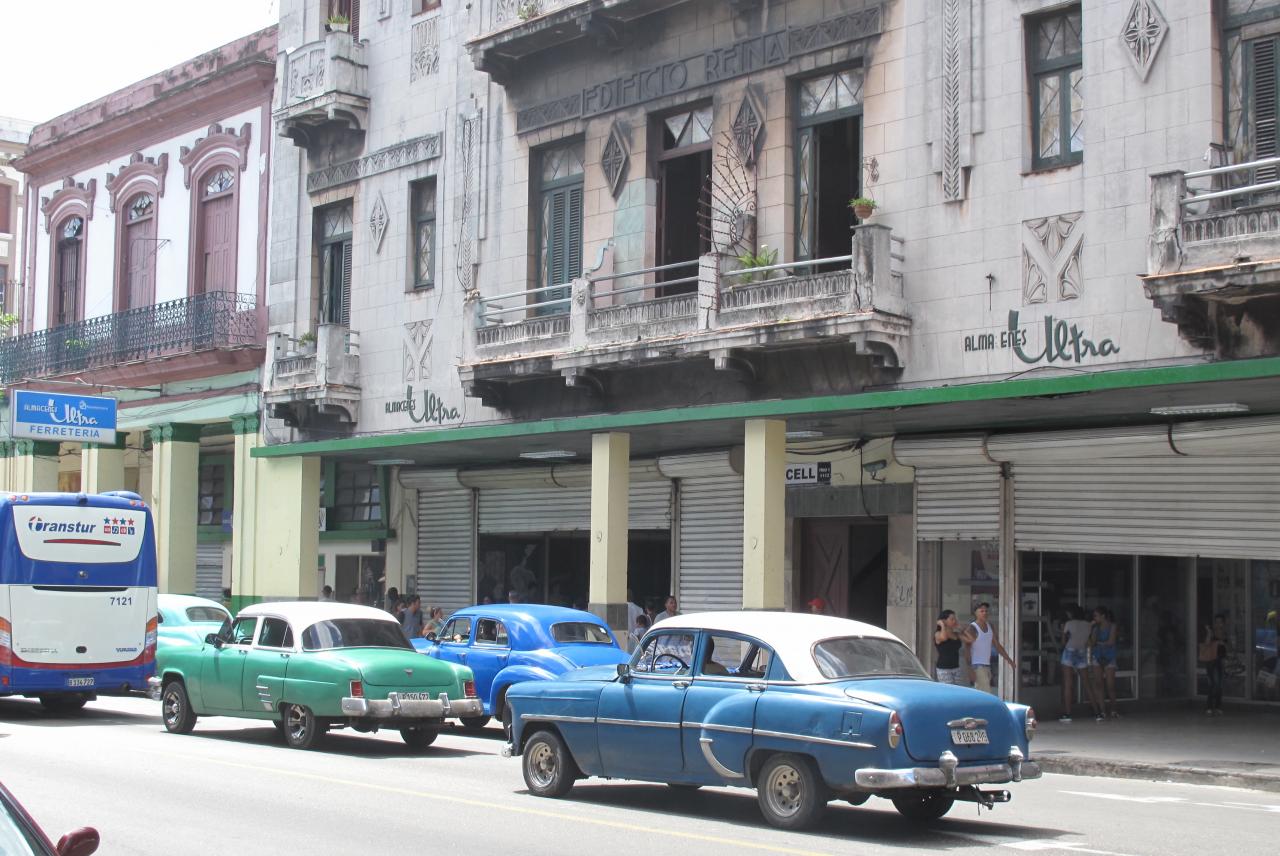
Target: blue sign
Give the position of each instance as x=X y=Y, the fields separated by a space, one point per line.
x=57 y=417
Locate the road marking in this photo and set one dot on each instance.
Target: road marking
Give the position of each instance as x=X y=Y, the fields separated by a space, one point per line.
x=556 y=815
x=1127 y=798
x=1049 y=844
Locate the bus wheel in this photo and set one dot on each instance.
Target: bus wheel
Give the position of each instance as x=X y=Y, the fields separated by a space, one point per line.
x=62 y=703
x=175 y=709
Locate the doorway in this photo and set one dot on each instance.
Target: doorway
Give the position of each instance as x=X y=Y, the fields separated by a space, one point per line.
x=845 y=562
x=683 y=169
x=828 y=164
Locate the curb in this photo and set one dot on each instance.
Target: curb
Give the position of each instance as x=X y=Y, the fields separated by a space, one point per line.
x=1080 y=766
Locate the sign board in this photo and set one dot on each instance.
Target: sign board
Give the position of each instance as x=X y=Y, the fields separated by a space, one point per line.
x=60 y=533
x=58 y=417
x=819 y=472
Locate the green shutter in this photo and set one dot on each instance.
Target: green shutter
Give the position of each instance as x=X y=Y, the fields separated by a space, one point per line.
x=1262 y=71
x=561 y=243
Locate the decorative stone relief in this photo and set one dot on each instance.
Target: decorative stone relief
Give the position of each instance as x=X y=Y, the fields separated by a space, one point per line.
x=954 y=81
x=1143 y=33
x=952 y=173
x=417 y=351
x=424 y=54
x=306 y=74
x=378 y=220
x=727 y=214
x=216 y=140
x=614 y=158
x=139 y=171
x=748 y=122
x=470 y=131
x=383 y=160
x=72 y=196
x=1051 y=253
x=384 y=9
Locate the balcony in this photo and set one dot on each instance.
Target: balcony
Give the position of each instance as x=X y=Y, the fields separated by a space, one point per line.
x=323 y=86
x=206 y=334
x=513 y=30
x=734 y=318
x=1213 y=261
x=314 y=385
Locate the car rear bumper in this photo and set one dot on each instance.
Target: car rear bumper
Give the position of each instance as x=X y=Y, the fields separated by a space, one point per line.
x=394 y=707
x=949 y=774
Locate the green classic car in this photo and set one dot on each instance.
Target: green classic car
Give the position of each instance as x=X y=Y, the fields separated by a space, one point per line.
x=312 y=667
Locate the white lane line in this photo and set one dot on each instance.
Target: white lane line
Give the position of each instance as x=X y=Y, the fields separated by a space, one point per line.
x=1037 y=845
x=1126 y=797
x=1243 y=806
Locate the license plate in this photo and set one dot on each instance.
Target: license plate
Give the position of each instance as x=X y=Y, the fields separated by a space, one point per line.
x=415 y=696
x=969 y=736
x=79 y=682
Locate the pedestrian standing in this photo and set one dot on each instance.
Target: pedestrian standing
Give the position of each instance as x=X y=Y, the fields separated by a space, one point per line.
x=670 y=611
x=1213 y=654
x=411 y=618
x=391 y=603
x=326 y=594
x=1076 y=633
x=984 y=645
x=948 y=637
x=1102 y=651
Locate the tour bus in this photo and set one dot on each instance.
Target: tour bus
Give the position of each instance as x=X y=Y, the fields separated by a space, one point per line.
x=77 y=596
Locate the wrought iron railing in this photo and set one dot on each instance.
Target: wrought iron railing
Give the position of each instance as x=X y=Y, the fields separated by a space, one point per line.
x=219 y=319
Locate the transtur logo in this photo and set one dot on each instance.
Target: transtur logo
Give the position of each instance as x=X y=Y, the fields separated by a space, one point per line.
x=38 y=524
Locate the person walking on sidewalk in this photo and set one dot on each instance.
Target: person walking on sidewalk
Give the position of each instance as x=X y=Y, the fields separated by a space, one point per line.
x=1102 y=646
x=1213 y=654
x=985 y=642
x=1076 y=633
x=948 y=636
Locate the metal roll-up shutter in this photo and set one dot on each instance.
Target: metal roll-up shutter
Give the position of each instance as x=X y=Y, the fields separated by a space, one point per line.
x=710 y=554
x=649 y=505
x=209 y=559
x=446 y=539
x=1255 y=436
x=558 y=509
x=958 y=503
x=1223 y=507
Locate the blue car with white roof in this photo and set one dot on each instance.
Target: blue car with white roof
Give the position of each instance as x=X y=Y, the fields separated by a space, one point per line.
x=802 y=708
x=505 y=644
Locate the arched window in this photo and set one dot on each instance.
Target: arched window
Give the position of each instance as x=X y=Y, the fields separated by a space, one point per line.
x=216 y=231
x=68 y=272
x=138 y=252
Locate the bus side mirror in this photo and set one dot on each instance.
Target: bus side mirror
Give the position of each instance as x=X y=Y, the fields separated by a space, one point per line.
x=624 y=673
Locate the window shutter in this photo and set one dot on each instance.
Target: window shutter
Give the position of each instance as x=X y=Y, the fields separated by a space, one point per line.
x=355 y=19
x=555 y=238
x=6 y=208
x=344 y=310
x=1263 y=68
x=573 y=234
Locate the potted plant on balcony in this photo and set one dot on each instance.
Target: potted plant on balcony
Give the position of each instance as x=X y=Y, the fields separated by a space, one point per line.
x=306 y=343
x=76 y=352
x=338 y=24
x=528 y=9
x=748 y=259
x=862 y=206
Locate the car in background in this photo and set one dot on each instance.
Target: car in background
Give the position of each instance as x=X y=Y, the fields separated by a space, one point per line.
x=802 y=708
x=20 y=835
x=310 y=667
x=185 y=620
x=504 y=644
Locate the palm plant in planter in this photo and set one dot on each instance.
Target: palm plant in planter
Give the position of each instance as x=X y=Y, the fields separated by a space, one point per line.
x=338 y=24
x=862 y=206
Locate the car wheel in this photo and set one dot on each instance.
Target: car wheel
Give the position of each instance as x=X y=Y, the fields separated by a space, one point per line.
x=301 y=731
x=791 y=792
x=924 y=806
x=474 y=723
x=857 y=799
x=62 y=703
x=175 y=708
x=549 y=769
x=418 y=739
x=279 y=726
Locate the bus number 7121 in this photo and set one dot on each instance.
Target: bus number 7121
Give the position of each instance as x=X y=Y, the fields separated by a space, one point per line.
x=122 y=600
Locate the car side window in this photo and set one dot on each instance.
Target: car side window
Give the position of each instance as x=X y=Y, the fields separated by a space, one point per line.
x=242 y=630
x=665 y=654
x=275 y=634
x=457 y=630
x=757 y=663
x=490 y=631
x=721 y=655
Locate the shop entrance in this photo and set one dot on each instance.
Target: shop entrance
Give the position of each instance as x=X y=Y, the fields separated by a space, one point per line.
x=845 y=562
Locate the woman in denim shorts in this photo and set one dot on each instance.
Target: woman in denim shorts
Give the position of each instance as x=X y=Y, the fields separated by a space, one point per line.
x=1076 y=633
x=947 y=639
x=1104 y=659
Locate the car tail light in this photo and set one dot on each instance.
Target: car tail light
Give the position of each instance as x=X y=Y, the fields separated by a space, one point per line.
x=357 y=689
x=149 y=646
x=895 y=730
x=1032 y=722
x=469 y=689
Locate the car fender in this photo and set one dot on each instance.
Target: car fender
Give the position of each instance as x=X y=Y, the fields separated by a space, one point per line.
x=840 y=734
x=513 y=675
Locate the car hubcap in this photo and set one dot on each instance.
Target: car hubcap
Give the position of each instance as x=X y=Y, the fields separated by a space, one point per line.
x=784 y=790
x=542 y=765
x=297 y=724
x=172 y=708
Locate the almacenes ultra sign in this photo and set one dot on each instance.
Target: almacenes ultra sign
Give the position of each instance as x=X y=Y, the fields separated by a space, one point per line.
x=1061 y=343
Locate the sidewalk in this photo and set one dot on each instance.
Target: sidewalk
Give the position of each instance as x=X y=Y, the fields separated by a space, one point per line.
x=1177 y=743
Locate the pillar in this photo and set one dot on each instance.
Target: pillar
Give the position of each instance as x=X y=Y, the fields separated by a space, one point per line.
x=102 y=466
x=6 y=466
x=764 y=515
x=34 y=466
x=244 y=507
x=610 y=488
x=175 y=480
x=286 y=536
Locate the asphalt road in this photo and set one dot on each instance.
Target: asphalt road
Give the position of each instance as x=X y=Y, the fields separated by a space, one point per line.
x=233 y=787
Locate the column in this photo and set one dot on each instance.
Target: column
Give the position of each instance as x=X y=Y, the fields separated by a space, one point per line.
x=610 y=487
x=175 y=479
x=102 y=465
x=764 y=515
x=34 y=466
x=6 y=466
x=244 y=508
x=286 y=536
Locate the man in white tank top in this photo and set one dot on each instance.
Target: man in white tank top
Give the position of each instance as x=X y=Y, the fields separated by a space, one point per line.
x=980 y=649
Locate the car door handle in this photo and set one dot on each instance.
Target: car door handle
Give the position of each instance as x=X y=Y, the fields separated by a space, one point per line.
x=462 y=655
x=755 y=688
x=680 y=685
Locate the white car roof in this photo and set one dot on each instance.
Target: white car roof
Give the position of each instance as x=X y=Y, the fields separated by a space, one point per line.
x=182 y=601
x=791 y=635
x=302 y=613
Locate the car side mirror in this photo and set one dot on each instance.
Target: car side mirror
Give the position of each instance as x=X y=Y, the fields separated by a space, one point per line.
x=214 y=639
x=80 y=842
x=624 y=673
x=431 y=637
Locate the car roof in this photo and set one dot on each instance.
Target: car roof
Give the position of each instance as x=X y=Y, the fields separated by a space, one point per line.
x=528 y=623
x=182 y=601
x=310 y=611
x=791 y=635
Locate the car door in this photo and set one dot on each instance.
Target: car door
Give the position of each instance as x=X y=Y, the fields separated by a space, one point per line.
x=720 y=705
x=264 y=666
x=490 y=650
x=222 y=671
x=638 y=721
x=455 y=641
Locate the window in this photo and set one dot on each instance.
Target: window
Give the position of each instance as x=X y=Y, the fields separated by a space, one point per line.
x=334 y=228
x=215 y=267
x=357 y=495
x=138 y=252
x=684 y=185
x=1055 y=77
x=828 y=154
x=457 y=630
x=354 y=633
x=213 y=496
x=242 y=630
x=730 y=656
x=491 y=632
x=6 y=208
x=665 y=654
x=275 y=634
x=349 y=9
x=860 y=657
x=567 y=632
x=1260 y=61
x=67 y=271
x=420 y=6
x=423 y=200
x=560 y=226
x=206 y=614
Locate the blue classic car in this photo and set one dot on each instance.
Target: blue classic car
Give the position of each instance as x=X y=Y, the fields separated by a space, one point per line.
x=803 y=708
x=507 y=643
x=187 y=619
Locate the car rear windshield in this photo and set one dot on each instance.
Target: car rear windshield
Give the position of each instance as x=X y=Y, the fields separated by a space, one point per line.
x=353 y=633
x=865 y=657
x=206 y=613
x=580 y=631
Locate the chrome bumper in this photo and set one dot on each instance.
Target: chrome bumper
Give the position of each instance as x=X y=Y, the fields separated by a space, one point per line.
x=153 y=688
x=394 y=707
x=949 y=774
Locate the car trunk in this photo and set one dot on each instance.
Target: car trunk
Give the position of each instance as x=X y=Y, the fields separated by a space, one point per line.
x=391 y=670
x=926 y=707
x=63 y=627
